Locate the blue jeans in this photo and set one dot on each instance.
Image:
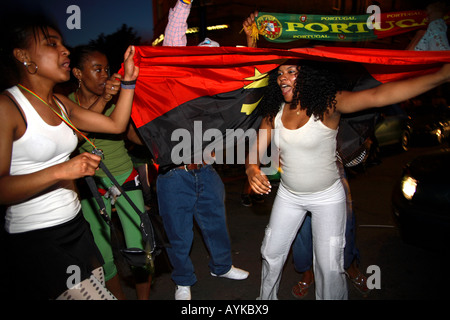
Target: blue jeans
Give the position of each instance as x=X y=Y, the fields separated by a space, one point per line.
x=302 y=249
x=185 y=195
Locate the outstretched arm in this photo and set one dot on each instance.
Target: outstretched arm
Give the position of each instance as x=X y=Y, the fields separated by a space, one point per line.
x=390 y=93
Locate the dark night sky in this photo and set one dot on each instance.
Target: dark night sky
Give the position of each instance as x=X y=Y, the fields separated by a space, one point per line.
x=97 y=16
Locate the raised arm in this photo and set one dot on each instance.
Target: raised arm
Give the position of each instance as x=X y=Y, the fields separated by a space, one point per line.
x=112 y=88
x=390 y=93
x=248 y=26
x=175 y=33
x=117 y=122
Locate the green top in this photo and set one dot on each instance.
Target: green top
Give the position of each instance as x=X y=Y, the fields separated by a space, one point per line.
x=116 y=156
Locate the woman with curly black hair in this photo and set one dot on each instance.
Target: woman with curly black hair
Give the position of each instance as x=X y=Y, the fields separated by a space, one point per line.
x=301 y=113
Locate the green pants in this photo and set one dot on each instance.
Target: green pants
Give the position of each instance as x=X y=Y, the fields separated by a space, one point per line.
x=128 y=217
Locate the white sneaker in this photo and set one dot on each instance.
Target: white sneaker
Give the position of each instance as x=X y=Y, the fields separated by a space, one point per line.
x=183 y=293
x=234 y=274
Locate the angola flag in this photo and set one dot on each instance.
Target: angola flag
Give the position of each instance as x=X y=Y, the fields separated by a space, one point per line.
x=191 y=101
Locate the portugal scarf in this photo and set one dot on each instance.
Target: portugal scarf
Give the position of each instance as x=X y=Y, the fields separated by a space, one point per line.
x=282 y=27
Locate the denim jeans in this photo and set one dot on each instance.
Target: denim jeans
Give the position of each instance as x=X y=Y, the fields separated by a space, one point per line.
x=185 y=195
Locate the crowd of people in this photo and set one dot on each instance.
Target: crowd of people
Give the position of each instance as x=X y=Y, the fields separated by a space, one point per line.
x=47 y=140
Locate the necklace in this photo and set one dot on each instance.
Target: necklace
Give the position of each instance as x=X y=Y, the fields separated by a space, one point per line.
x=64 y=117
x=43 y=101
x=298 y=111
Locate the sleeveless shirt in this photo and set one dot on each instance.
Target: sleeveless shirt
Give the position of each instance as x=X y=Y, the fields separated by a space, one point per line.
x=307 y=155
x=41 y=146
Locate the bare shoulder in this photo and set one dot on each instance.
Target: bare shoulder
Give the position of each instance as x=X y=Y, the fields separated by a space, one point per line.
x=8 y=109
x=11 y=117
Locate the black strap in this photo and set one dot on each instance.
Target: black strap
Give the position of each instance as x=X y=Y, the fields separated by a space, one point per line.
x=115 y=242
x=94 y=190
x=146 y=225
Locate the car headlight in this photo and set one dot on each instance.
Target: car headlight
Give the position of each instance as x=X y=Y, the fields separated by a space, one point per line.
x=408 y=186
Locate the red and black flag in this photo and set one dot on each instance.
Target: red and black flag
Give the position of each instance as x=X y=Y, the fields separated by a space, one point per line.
x=188 y=99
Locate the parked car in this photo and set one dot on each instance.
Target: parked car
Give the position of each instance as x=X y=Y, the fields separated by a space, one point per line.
x=430 y=124
x=393 y=128
x=421 y=200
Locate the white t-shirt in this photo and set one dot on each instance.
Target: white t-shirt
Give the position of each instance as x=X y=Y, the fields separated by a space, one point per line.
x=41 y=146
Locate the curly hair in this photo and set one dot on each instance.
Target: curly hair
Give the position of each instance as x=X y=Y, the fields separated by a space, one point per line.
x=315 y=89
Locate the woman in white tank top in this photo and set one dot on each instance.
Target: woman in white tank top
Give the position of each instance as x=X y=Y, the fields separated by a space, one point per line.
x=301 y=111
x=48 y=240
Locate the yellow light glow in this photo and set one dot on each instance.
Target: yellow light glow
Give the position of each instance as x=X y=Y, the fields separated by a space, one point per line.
x=409 y=186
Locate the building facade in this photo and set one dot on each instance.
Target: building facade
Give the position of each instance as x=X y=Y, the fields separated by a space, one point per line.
x=221 y=20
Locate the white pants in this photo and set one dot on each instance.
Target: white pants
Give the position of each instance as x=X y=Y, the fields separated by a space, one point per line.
x=328 y=214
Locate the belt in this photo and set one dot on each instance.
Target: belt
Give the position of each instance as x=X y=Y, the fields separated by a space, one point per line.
x=132 y=183
x=191 y=166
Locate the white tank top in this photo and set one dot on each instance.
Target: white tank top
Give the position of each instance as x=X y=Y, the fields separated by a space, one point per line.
x=307 y=156
x=40 y=147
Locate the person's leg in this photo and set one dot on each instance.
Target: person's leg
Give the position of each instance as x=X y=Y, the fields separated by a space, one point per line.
x=211 y=218
x=328 y=227
x=302 y=253
x=302 y=249
x=176 y=200
x=130 y=222
x=351 y=252
x=285 y=220
x=102 y=237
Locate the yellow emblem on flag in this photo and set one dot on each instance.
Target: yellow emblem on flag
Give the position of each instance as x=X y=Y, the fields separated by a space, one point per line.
x=259 y=80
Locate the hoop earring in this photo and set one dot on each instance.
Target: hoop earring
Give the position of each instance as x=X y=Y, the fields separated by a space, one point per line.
x=27 y=67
